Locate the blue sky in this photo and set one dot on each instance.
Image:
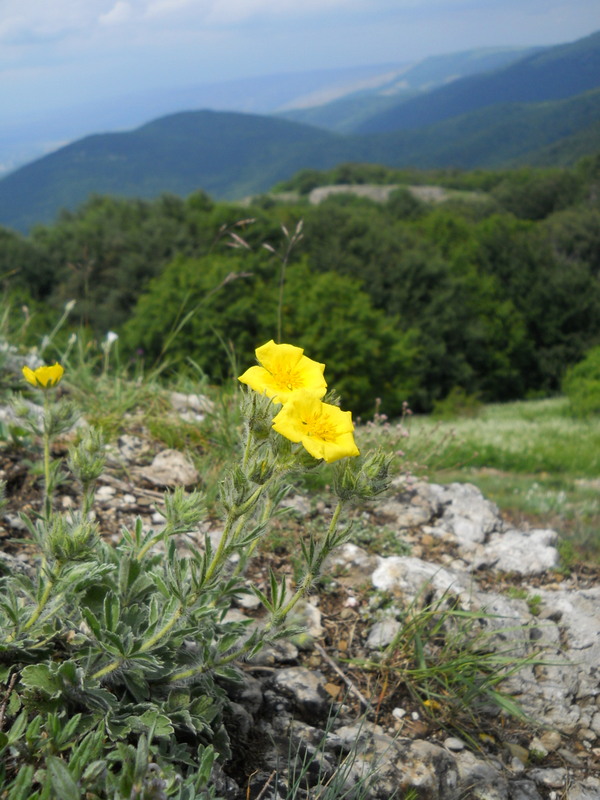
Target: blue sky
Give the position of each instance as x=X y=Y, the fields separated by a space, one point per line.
x=57 y=53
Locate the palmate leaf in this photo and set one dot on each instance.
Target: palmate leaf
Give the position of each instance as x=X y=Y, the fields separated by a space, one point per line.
x=152 y=722
x=41 y=677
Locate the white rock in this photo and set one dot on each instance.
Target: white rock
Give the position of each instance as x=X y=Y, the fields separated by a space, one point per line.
x=516 y=551
x=382 y=633
x=171 y=468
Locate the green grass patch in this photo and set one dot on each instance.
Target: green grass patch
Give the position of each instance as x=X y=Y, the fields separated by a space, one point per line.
x=538 y=463
x=534 y=460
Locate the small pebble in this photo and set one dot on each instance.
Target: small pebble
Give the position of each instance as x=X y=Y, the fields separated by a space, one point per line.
x=537 y=748
x=550 y=740
x=454 y=743
x=517 y=765
x=569 y=757
x=550 y=778
x=586 y=735
x=517 y=751
x=105 y=492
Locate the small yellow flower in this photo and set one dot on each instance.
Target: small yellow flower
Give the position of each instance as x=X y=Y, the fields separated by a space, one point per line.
x=44 y=377
x=284 y=369
x=323 y=429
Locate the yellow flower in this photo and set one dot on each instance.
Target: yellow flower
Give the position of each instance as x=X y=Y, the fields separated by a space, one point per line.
x=325 y=430
x=45 y=377
x=284 y=369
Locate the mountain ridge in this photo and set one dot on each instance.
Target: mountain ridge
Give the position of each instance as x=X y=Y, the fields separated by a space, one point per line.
x=552 y=74
x=417 y=78
x=231 y=155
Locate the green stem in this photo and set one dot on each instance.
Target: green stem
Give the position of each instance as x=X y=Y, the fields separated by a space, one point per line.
x=245 y=557
x=189 y=673
x=310 y=576
x=108 y=669
x=163 y=631
x=166 y=532
x=40 y=606
x=46 y=438
x=224 y=541
x=247 y=447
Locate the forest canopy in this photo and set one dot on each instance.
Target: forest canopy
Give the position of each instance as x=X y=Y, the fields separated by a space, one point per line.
x=493 y=291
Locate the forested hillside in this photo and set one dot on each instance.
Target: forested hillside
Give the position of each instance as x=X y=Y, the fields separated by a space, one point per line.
x=493 y=292
x=233 y=155
x=554 y=74
x=543 y=109
x=347 y=112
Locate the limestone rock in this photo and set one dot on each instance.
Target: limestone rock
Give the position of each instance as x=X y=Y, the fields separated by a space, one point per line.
x=171 y=468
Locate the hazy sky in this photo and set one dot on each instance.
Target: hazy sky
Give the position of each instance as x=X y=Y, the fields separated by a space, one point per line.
x=55 y=53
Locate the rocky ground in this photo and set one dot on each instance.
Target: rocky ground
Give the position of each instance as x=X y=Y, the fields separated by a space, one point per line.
x=345 y=702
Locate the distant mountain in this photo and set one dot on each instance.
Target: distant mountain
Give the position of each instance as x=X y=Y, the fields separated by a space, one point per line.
x=553 y=74
x=28 y=136
x=499 y=136
x=383 y=92
x=228 y=155
x=233 y=155
x=32 y=135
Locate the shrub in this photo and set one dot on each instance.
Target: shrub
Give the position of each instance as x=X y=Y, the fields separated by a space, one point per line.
x=581 y=384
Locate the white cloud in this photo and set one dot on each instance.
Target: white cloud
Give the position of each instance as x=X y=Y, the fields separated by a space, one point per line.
x=159 y=8
x=27 y=21
x=225 y=12
x=230 y=12
x=120 y=12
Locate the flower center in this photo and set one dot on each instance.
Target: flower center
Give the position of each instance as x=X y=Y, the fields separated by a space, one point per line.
x=287 y=378
x=320 y=427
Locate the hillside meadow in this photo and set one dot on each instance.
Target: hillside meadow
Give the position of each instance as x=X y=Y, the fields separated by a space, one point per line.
x=533 y=458
x=477 y=304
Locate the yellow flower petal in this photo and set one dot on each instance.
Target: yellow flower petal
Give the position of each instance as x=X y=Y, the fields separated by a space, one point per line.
x=284 y=369
x=44 y=377
x=323 y=429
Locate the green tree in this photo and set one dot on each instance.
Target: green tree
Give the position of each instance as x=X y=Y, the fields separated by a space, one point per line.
x=582 y=385
x=535 y=194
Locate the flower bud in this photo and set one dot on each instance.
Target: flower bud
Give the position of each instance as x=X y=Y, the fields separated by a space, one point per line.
x=362 y=478
x=86 y=460
x=375 y=472
x=261 y=469
x=71 y=539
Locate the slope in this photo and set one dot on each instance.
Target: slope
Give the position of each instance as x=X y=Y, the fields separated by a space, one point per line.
x=224 y=153
x=553 y=74
x=346 y=113
x=233 y=155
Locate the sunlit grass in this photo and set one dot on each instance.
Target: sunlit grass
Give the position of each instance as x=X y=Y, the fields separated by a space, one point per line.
x=539 y=464
x=531 y=437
